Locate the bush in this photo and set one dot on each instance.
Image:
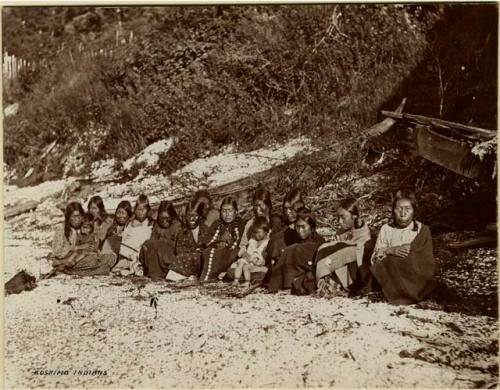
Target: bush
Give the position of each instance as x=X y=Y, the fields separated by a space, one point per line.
x=213 y=76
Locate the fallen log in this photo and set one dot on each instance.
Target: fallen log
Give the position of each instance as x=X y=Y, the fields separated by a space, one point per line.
x=473 y=242
x=239 y=188
x=20 y=209
x=384 y=126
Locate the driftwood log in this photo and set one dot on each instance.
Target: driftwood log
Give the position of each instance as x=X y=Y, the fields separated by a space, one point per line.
x=240 y=188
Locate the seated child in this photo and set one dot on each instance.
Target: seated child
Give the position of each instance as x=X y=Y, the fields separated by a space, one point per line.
x=277 y=222
x=253 y=260
x=86 y=239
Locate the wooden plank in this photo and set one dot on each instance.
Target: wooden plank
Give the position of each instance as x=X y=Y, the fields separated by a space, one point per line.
x=20 y=209
x=484 y=133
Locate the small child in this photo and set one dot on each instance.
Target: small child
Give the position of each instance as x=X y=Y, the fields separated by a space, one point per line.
x=277 y=222
x=253 y=260
x=85 y=236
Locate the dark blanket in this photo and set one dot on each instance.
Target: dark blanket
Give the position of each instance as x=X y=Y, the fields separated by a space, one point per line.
x=295 y=268
x=181 y=254
x=278 y=242
x=411 y=279
x=156 y=257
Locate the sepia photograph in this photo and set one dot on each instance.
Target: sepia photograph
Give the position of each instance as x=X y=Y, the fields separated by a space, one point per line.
x=253 y=195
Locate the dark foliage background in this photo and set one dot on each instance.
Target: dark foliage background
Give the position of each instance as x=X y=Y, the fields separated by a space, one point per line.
x=113 y=80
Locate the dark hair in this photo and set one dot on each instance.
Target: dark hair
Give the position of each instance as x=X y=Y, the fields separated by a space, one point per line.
x=294 y=196
x=351 y=205
x=198 y=208
x=166 y=206
x=125 y=205
x=97 y=200
x=281 y=221
x=88 y=218
x=260 y=222
x=306 y=215
x=143 y=200
x=263 y=195
x=201 y=197
x=70 y=209
x=408 y=195
x=229 y=200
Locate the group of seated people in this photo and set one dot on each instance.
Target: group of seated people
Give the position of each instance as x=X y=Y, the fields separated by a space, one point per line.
x=280 y=250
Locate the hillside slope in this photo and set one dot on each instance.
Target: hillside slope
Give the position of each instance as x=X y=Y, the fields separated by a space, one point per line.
x=110 y=81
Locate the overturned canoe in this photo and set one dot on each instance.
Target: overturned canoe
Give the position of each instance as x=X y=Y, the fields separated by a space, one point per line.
x=451 y=153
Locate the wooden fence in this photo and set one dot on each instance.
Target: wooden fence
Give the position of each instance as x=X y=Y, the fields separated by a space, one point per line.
x=13 y=66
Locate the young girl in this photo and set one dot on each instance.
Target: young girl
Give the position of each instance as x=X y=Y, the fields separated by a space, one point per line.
x=134 y=235
x=253 y=260
x=102 y=221
x=222 y=247
x=262 y=206
x=294 y=269
x=87 y=234
x=402 y=259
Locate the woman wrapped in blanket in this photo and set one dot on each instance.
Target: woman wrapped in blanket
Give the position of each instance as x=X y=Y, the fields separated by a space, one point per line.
x=343 y=264
x=403 y=262
x=295 y=267
x=158 y=253
x=75 y=254
x=137 y=231
x=223 y=245
x=123 y=215
x=102 y=221
x=279 y=240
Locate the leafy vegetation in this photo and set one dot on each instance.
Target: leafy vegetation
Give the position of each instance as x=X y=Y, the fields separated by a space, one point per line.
x=110 y=81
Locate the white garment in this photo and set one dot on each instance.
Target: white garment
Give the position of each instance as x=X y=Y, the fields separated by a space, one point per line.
x=391 y=236
x=134 y=235
x=196 y=233
x=256 y=250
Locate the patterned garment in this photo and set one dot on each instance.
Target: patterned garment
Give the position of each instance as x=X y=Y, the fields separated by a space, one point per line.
x=221 y=249
x=92 y=264
x=159 y=255
x=188 y=251
x=342 y=257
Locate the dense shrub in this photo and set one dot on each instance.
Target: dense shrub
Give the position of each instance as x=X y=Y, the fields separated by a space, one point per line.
x=212 y=76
